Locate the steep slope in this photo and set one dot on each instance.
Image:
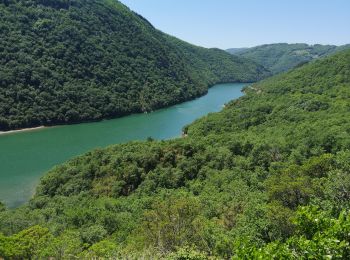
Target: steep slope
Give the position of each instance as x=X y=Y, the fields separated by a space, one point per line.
x=281 y=57
x=66 y=61
x=268 y=177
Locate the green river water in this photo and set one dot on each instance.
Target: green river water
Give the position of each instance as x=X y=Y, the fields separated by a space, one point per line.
x=26 y=156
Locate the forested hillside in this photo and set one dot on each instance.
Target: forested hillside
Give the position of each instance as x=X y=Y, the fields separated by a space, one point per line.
x=268 y=178
x=281 y=57
x=66 y=61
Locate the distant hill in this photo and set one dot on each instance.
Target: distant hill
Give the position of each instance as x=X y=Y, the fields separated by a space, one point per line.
x=281 y=57
x=67 y=61
x=236 y=50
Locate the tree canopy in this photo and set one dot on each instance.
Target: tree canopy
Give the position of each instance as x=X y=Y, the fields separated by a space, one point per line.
x=267 y=178
x=68 y=61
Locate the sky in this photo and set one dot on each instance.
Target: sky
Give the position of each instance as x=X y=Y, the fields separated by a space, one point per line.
x=246 y=23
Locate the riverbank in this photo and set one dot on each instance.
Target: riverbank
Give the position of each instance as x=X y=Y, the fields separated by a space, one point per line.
x=22 y=130
x=26 y=157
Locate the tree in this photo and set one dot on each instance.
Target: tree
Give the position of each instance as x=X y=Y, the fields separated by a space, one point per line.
x=173 y=221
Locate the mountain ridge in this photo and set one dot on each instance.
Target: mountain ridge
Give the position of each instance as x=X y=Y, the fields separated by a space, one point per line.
x=280 y=57
x=74 y=61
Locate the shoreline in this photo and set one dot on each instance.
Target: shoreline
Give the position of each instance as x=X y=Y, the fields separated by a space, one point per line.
x=22 y=130
x=111 y=118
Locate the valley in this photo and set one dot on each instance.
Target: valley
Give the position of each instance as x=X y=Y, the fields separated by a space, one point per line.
x=26 y=156
x=120 y=141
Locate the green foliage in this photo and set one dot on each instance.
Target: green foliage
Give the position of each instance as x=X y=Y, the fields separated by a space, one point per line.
x=318 y=236
x=266 y=178
x=102 y=249
x=281 y=57
x=2 y=207
x=25 y=244
x=93 y=234
x=173 y=221
x=187 y=253
x=63 y=246
x=72 y=61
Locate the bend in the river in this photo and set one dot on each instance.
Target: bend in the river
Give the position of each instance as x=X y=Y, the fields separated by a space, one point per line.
x=26 y=156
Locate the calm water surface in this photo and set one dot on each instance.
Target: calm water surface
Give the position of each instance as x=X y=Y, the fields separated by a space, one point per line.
x=26 y=156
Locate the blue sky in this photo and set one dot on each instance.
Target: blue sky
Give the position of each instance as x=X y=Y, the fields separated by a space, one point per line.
x=246 y=23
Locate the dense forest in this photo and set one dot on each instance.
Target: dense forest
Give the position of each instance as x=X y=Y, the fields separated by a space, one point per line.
x=266 y=178
x=281 y=57
x=66 y=61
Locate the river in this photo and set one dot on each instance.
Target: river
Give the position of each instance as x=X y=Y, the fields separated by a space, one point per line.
x=26 y=156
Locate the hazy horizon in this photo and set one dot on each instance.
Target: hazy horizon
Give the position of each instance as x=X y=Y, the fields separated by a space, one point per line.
x=249 y=23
